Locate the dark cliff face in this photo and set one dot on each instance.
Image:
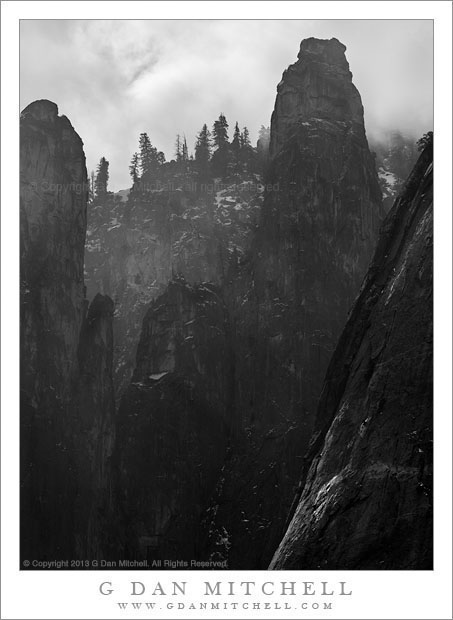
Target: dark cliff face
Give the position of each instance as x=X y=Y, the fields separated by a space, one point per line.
x=94 y=400
x=366 y=500
x=134 y=247
x=319 y=224
x=317 y=86
x=286 y=301
x=53 y=223
x=318 y=229
x=58 y=436
x=173 y=424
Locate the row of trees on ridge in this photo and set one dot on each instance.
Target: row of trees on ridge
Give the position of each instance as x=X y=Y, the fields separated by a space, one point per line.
x=214 y=156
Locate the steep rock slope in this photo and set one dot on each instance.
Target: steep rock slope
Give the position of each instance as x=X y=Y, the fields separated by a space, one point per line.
x=135 y=247
x=173 y=424
x=366 y=499
x=60 y=435
x=316 y=87
x=95 y=426
x=318 y=229
x=285 y=300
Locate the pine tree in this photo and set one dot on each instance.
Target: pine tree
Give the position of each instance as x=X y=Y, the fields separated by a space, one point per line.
x=248 y=155
x=185 y=151
x=222 y=155
x=102 y=178
x=147 y=160
x=262 y=147
x=236 y=142
x=264 y=136
x=203 y=152
x=150 y=158
x=220 y=132
x=236 y=148
x=245 y=137
x=133 y=168
x=178 y=148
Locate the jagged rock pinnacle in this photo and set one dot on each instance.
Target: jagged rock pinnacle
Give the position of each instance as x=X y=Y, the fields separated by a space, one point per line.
x=323 y=50
x=317 y=86
x=41 y=110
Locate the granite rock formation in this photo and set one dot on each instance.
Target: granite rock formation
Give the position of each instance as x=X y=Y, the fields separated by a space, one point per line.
x=135 y=246
x=173 y=424
x=286 y=300
x=316 y=87
x=366 y=493
x=64 y=436
x=318 y=229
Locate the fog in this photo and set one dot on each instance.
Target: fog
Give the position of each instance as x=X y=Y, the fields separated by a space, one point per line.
x=116 y=79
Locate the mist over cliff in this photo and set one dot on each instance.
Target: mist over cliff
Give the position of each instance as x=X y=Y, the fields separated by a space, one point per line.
x=211 y=360
x=159 y=68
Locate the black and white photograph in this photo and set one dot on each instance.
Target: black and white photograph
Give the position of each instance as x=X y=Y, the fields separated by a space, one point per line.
x=226 y=300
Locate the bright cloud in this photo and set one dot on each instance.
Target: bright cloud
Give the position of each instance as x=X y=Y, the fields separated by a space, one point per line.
x=115 y=79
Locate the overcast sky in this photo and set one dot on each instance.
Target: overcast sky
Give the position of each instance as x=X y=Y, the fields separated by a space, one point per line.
x=116 y=79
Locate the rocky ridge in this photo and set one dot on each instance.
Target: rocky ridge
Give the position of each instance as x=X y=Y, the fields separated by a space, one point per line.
x=368 y=473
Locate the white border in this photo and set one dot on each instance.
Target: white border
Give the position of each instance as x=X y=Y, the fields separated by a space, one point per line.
x=375 y=594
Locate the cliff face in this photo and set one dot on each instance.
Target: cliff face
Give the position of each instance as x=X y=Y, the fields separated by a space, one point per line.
x=173 y=424
x=246 y=295
x=317 y=232
x=134 y=248
x=286 y=301
x=53 y=200
x=318 y=229
x=318 y=86
x=95 y=427
x=366 y=499
x=53 y=223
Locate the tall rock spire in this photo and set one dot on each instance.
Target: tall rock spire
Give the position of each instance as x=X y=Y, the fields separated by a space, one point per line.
x=319 y=225
x=317 y=86
x=66 y=387
x=275 y=325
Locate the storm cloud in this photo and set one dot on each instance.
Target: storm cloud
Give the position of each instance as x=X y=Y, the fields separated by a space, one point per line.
x=116 y=79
